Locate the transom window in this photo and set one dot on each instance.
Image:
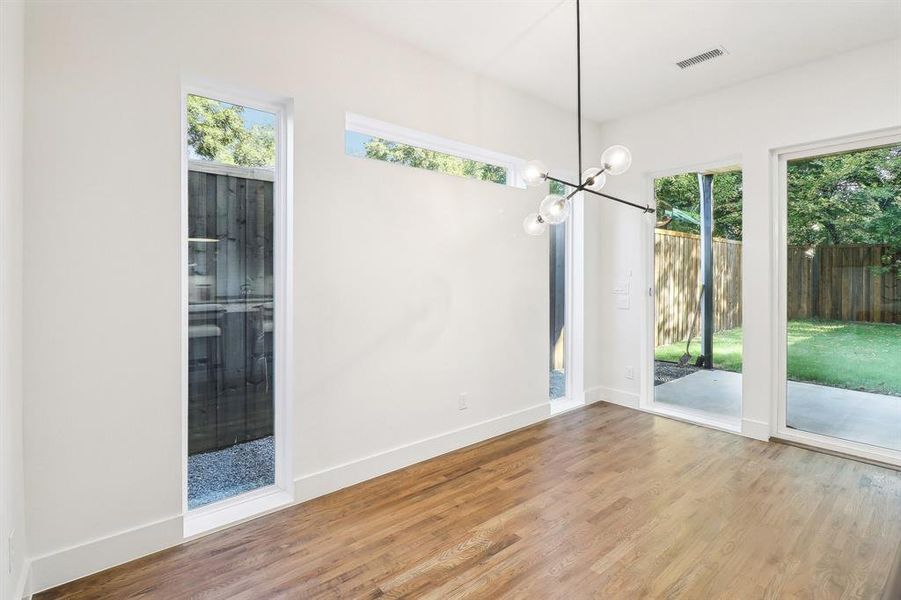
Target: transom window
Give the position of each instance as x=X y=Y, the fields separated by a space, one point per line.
x=370 y=138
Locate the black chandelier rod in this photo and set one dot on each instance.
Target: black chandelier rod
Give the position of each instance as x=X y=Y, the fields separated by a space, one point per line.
x=576 y=188
x=581 y=187
x=579 y=85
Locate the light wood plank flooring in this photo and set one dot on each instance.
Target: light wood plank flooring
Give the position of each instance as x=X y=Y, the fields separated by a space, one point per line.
x=602 y=502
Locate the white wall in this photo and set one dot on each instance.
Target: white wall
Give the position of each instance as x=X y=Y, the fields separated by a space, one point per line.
x=410 y=286
x=12 y=485
x=848 y=94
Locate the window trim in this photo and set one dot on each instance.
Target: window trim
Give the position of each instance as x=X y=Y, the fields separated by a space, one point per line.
x=403 y=135
x=574 y=306
x=255 y=502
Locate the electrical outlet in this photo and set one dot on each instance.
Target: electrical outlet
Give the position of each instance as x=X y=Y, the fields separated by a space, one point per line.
x=630 y=373
x=461 y=402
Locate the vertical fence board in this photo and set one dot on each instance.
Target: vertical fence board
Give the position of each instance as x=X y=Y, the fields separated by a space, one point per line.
x=837 y=282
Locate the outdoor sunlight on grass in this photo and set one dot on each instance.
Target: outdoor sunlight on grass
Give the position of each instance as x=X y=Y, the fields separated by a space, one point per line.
x=858 y=356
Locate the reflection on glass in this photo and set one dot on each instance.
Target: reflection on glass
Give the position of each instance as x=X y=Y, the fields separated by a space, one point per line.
x=230 y=300
x=844 y=296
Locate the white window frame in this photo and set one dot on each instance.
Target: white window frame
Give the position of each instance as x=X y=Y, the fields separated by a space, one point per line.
x=779 y=159
x=646 y=400
x=573 y=308
x=253 y=503
x=427 y=141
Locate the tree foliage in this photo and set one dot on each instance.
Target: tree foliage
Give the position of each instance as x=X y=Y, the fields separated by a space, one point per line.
x=432 y=160
x=850 y=198
x=216 y=131
x=682 y=192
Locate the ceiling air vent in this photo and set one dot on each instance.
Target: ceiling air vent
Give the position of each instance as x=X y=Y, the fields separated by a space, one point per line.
x=702 y=57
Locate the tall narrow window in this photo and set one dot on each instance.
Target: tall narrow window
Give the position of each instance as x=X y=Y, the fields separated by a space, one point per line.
x=557 y=367
x=231 y=317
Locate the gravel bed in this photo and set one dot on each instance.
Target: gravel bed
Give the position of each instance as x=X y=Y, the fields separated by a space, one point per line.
x=221 y=474
x=667 y=371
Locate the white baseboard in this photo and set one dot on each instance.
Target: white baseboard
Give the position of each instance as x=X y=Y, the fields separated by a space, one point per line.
x=759 y=430
x=611 y=395
x=341 y=476
x=74 y=562
x=68 y=564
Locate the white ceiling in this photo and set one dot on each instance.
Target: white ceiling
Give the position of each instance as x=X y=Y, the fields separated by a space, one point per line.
x=629 y=48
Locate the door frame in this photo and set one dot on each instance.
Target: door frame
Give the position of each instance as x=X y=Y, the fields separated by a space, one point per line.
x=255 y=502
x=646 y=400
x=779 y=158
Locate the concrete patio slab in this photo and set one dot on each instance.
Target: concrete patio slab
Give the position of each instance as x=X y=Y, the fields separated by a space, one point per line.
x=713 y=391
x=863 y=417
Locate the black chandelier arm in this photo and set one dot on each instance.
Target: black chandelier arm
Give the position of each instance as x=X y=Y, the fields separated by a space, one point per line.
x=581 y=188
x=645 y=209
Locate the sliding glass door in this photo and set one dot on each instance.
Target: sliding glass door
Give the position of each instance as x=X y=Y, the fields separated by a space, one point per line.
x=843 y=296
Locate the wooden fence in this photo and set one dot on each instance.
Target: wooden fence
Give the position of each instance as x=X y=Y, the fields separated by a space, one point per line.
x=677 y=265
x=826 y=282
x=839 y=283
x=230 y=292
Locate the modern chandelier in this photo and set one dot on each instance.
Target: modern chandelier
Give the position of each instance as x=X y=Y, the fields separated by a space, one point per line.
x=615 y=160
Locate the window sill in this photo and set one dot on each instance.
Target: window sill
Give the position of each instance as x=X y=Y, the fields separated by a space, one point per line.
x=207 y=519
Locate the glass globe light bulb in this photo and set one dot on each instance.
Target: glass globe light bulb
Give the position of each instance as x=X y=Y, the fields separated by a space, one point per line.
x=616 y=160
x=534 y=224
x=554 y=209
x=599 y=178
x=533 y=172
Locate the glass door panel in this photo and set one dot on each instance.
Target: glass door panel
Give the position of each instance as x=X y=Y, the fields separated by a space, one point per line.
x=843 y=360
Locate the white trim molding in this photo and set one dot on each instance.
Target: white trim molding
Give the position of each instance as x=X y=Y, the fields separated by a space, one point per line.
x=71 y=563
x=613 y=396
x=319 y=483
x=759 y=430
x=74 y=562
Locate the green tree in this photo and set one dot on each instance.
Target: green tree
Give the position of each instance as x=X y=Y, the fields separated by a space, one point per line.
x=680 y=197
x=432 y=160
x=216 y=131
x=850 y=198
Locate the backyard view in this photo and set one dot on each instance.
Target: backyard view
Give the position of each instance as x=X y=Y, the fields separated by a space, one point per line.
x=868 y=359
x=843 y=302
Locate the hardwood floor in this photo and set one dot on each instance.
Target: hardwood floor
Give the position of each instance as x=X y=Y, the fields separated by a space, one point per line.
x=603 y=502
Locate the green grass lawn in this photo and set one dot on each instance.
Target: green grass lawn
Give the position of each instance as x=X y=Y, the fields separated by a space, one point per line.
x=857 y=356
